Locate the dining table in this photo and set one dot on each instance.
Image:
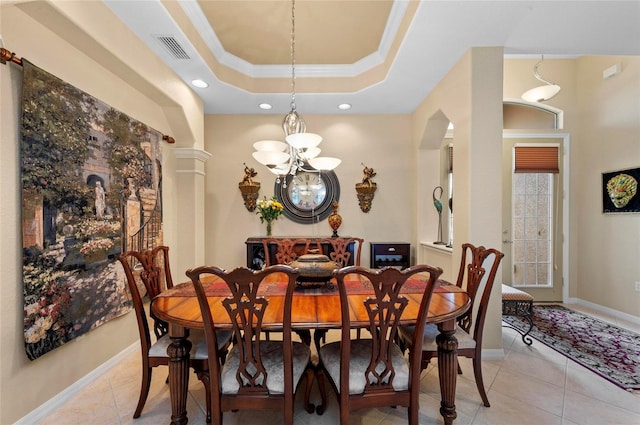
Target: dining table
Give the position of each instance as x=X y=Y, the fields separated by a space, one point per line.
x=314 y=308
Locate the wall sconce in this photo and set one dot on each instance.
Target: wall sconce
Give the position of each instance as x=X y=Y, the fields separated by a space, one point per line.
x=366 y=189
x=249 y=189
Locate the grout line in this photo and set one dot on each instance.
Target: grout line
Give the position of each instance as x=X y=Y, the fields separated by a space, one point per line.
x=564 y=392
x=115 y=403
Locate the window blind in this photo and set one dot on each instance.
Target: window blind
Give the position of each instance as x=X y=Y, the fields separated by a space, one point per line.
x=536 y=159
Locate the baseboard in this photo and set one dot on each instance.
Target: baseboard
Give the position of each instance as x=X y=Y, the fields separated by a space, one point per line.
x=615 y=313
x=67 y=394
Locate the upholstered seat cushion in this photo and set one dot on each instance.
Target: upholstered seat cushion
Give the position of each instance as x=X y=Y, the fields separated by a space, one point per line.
x=273 y=361
x=509 y=293
x=361 y=350
x=430 y=334
x=198 y=344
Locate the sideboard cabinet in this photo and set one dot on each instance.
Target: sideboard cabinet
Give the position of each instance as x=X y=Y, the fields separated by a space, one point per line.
x=255 y=250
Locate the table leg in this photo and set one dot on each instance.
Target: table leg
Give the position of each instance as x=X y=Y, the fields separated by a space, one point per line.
x=178 y=352
x=447 y=370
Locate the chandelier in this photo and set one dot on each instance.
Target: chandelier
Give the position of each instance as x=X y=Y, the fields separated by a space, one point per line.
x=300 y=152
x=541 y=93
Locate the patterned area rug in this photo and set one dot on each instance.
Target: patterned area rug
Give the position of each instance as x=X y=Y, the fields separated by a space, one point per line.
x=606 y=349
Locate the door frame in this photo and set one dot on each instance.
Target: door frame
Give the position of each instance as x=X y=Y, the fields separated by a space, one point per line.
x=514 y=134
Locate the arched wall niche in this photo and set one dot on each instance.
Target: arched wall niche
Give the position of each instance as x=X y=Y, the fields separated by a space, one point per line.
x=434 y=149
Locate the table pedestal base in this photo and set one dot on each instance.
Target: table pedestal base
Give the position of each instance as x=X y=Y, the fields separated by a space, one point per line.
x=178 y=352
x=447 y=370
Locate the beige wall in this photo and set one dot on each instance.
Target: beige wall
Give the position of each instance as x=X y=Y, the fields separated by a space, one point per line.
x=205 y=219
x=470 y=96
x=602 y=118
x=381 y=142
x=608 y=139
x=45 y=35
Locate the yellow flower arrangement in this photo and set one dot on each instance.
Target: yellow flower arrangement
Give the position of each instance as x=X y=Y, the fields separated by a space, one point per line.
x=269 y=210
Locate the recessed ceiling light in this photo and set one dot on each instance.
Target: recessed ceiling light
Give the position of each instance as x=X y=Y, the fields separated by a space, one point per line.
x=200 y=83
x=265 y=106
x=344 y=106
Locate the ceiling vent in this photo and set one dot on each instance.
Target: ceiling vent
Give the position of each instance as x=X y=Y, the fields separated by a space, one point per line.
x=172 y=45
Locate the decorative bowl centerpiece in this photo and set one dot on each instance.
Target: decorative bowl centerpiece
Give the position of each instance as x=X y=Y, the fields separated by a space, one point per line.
x=315 y=269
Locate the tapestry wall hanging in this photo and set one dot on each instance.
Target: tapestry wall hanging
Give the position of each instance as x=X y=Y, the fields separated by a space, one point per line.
x=91 y=189
x=620 y=191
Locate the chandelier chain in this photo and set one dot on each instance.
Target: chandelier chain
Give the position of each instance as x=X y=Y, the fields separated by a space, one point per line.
x=293 y=54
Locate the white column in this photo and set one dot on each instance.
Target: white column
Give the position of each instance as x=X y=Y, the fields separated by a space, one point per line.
x=190 y=214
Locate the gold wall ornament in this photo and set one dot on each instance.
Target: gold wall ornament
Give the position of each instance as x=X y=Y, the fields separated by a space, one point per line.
x=335 y=220
x=249 y=189
x=366 y=189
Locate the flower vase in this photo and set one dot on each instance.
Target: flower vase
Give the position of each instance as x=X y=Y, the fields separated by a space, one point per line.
x=268 y=227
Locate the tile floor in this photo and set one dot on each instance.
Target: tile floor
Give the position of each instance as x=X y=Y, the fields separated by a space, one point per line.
x=531 y=385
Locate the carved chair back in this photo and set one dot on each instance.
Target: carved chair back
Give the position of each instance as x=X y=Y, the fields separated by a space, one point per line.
x=470 y=277
x=384 y=308
x=287 y=250
x=246 y=369
x=340 y=253
x=151 y=268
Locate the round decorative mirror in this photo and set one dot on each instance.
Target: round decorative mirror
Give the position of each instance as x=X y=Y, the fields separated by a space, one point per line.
x=307 y=196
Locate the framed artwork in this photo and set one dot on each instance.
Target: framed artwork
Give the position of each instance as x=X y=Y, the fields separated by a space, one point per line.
x=620 y=191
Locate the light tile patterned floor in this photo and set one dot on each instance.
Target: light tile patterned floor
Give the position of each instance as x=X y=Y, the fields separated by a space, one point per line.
x=531 y=385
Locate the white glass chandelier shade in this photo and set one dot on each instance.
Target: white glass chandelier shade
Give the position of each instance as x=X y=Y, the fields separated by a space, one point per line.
x=270 y=158
x=279 y=170
x=324 y=163
x=270 y=145
x=310 y=153
x=541 y=93
x=303 y=140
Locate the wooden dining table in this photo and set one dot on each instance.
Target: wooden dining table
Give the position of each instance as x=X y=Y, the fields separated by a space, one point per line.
x=317 y=309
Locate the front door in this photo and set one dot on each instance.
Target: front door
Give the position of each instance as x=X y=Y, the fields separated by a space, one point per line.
x=532 y=228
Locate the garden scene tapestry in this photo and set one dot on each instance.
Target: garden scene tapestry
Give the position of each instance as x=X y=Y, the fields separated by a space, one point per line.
x=91 y=189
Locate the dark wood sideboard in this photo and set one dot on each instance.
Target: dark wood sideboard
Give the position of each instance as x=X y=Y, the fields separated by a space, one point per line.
x=255 y=250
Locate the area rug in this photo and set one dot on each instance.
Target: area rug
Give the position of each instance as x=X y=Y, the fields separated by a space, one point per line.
x=608 y=350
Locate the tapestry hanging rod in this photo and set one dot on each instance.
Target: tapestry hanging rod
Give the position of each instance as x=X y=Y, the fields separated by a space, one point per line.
x=8 y=56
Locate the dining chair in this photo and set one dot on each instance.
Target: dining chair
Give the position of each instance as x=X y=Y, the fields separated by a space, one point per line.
x=285 y=253
x=286 y=250
x=340 y=253
x=471 y=276
x=257 y=374
x=372 y=372
x=150 y=269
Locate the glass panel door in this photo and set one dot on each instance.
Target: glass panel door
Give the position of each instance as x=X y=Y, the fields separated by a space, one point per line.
x=532 y=227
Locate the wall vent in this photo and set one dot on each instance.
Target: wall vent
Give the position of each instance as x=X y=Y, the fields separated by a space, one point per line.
x=172 y=45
